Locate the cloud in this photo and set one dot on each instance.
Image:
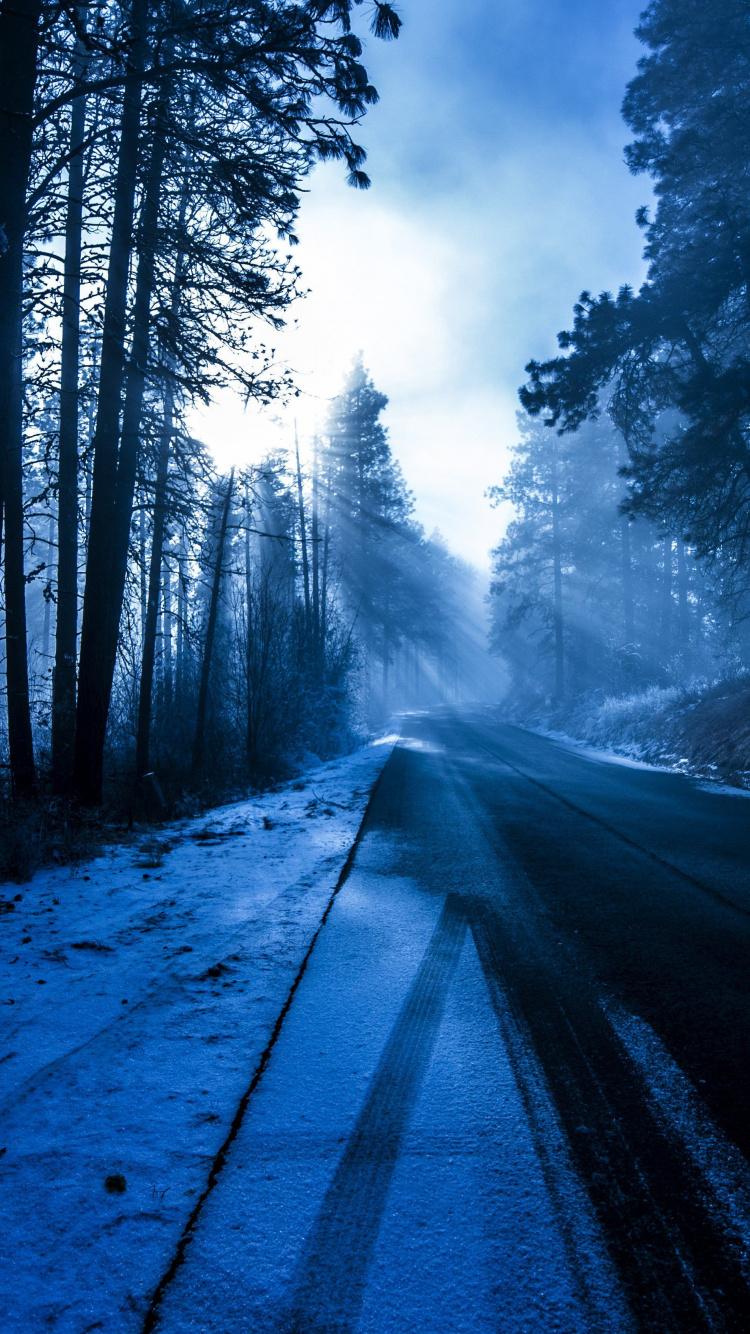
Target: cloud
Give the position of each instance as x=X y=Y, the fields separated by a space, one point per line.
x=499 y=193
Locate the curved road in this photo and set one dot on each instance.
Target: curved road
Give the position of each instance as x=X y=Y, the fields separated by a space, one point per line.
x=511 y=1092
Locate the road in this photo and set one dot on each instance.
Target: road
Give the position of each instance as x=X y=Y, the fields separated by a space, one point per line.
x=511 y=1091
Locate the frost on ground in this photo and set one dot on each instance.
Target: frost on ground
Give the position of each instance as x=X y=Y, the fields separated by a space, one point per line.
x=697 y=728
x=137 y=993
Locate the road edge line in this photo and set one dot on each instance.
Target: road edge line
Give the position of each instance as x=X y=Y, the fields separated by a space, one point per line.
x=152 y=1314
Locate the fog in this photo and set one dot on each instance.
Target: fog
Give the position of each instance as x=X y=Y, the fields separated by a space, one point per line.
x=267 y=479
x=498 y=193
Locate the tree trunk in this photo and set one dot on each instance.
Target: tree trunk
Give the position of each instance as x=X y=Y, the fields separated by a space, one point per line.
x=66 y=632
x=249 y=728
x=557 y=574
x=324 y=578
x=47 y=599
x=665 y=635
x=101 y=605
x=142 y=571
x=166 y=670
x=151 y=599
x=627 y=581
x=89 y=471
x=127 y=464
x=626 y=548
x=651 y=609
x=180 y=655
x=19 y=36
x=315 y=561
x=303 y=540
x=200 y=721
x=682 y=587
x=154 y=588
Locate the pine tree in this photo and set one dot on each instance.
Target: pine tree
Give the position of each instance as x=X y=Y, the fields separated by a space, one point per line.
x=674 y=359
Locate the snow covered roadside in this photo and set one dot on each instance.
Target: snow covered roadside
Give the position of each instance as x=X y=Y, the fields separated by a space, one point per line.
x=603 y=756
x=135 y=1002
x=699 y=728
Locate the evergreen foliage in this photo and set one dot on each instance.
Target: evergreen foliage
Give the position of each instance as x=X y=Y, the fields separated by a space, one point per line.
x=655 y=382
x=633 y=607
x=673 y=361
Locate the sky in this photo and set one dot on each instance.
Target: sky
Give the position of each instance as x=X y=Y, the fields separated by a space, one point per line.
x=499 y=193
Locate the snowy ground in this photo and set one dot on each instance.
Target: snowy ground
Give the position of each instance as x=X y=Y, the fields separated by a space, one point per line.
x=137 y=999
x=602 y=755
x=605 y=756
x=386 y=1177
x=697 y=728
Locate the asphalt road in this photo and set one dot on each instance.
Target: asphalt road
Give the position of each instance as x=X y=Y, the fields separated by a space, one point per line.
x=512 y=1090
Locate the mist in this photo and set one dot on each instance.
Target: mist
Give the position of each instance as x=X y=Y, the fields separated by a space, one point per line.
x=375 y=666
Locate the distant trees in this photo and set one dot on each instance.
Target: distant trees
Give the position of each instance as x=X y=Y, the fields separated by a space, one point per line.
x=400 y=588
x=593 y=600
x=373 y=511
x=674 y=359
x=671 y=363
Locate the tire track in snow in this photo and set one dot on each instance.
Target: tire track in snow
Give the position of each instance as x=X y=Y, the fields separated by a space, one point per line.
x=680 y=1109
x=333 y=1270
x=677 y=1266
x=151 y=1318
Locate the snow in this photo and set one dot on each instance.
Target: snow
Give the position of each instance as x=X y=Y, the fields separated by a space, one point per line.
x=723 y=789
x=598 y=756
x=387 y=1157
x=682 y=1113
x=603 y=756
x=698 y=727
x=137 y=999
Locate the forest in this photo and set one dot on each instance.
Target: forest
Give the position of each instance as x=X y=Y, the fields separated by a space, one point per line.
x=625 y=565
x=168 y=629
x=172 y=629
x=374 y=906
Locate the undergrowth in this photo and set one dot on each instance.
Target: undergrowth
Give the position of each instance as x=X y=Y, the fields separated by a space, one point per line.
x=32 y=836
x=701 y=727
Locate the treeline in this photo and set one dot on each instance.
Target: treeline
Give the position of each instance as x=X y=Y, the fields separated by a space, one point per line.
x=294 y=606
x=584 y=599
x=629 y=560
x=415 y=608
x=152 y=155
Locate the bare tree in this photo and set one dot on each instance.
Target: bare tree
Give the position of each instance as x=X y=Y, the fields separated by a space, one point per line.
x=19 y=38
x=208 y=644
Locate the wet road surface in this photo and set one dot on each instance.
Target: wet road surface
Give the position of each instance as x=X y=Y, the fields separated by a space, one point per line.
x=512 y=1089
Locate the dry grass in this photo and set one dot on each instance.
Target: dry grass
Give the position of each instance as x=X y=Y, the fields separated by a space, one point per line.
x=152 y=852
x=715 y=731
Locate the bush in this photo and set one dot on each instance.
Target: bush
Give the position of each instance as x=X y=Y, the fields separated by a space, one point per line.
x=35 y=836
